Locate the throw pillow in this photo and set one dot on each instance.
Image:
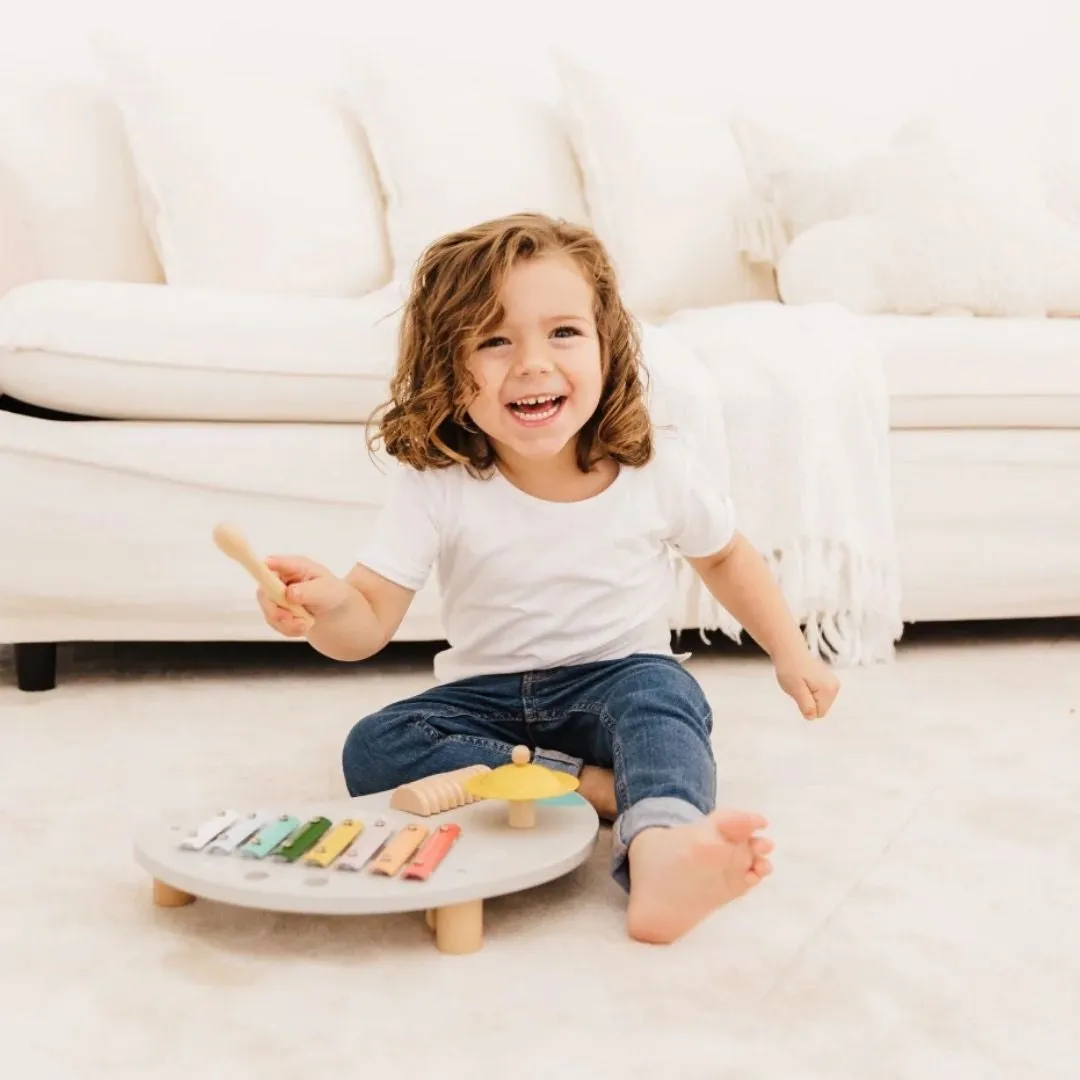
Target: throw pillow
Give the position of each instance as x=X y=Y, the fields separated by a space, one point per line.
x=460 y=143
x=938 y=220
x=665 y=184
x=250 y=181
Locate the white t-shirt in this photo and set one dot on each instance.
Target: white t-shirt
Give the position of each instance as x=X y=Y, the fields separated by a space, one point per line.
x=528 y=584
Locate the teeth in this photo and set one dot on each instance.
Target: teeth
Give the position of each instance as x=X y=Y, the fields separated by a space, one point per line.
x=534 y=416
x=535 y=400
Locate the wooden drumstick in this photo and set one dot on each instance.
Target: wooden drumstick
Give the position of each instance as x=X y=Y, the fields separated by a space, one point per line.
x=232 y=542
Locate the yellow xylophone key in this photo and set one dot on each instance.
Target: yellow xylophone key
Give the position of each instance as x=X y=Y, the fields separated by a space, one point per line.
x=334 y=843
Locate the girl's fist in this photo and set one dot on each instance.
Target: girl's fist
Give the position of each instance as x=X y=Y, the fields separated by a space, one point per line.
x=307 y=583
x=810 y=684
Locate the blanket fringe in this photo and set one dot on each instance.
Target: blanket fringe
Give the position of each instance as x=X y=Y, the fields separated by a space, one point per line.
x=759 y=231
x=845 y=603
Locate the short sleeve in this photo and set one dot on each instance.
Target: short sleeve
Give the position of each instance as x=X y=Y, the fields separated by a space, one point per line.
x=694 y=494
x=403 y=545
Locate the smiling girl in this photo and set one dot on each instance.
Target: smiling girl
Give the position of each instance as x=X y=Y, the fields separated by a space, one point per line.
x=532 y=482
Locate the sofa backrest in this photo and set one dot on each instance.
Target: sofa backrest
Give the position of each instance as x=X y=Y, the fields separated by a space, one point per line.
x=193 y=175
x=68 y=203
x=205 y=171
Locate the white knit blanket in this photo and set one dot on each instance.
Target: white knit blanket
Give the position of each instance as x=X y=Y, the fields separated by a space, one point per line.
x=802 y=397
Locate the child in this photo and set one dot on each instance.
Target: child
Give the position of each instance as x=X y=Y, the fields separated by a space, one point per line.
x=531 y=477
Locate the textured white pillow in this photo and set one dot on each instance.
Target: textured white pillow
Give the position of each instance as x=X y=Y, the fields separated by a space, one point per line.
x=69 y=205
x=943 y=219
x=846 y=261
x=795 y=182
x=877 y=265
x=664 y=181
x=250 y=181
x=1053 y=127
x=456 y=145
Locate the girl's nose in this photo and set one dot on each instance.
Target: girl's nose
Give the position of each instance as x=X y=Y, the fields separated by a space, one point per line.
x=534 y=361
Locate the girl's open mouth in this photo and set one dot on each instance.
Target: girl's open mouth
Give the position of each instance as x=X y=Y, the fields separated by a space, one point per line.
x=537 y=410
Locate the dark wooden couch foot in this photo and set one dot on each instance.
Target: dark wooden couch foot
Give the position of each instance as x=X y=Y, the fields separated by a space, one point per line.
x=35 y=666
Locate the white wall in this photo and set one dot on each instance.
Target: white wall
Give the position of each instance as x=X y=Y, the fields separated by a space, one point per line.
x=864 y=54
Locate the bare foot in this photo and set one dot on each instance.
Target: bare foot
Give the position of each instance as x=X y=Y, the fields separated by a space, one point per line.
x=597 y=787
x=680 y=875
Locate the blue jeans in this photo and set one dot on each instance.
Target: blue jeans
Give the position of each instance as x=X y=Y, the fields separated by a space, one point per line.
x=645 y=717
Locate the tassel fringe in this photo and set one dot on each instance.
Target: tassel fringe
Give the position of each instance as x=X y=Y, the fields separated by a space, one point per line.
x=759 y=232
x=844 y=603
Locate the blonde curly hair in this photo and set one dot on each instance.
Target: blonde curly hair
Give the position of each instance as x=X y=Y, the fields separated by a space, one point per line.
x=454 y=302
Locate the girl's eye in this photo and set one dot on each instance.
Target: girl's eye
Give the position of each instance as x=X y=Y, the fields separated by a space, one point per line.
x=494 y=343
x=567 y=331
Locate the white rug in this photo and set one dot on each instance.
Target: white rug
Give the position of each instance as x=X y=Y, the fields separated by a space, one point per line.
x=921 y=923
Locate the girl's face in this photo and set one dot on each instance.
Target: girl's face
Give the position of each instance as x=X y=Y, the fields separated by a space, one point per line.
x=539 y=372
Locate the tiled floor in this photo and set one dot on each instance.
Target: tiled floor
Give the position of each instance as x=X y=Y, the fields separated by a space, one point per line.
x=923 y=920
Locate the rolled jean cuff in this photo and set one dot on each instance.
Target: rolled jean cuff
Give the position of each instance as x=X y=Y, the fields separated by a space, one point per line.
x=663 y=812
x=552 y=759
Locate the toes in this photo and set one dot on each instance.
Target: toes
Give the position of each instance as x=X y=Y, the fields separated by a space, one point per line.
x=736 y=826
x=761 y=868
x=759 y=845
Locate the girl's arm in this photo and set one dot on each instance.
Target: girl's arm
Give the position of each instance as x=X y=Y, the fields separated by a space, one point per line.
x=365 y=622
x=403 y=544
x=740 y=580
x=350 y=618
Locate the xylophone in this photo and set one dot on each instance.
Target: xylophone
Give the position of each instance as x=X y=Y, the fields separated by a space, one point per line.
x=432 y=846
x=349 y=844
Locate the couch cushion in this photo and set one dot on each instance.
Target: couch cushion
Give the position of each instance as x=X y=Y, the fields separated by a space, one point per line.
x=160 y=352
x=964 y=372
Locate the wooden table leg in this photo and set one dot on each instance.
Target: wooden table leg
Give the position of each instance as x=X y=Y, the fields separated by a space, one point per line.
x=459 y=929
x=429 y=918
x=167 y=896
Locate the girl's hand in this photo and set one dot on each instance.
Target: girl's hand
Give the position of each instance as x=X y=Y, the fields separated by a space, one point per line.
x=810 y=683
x=311 y=585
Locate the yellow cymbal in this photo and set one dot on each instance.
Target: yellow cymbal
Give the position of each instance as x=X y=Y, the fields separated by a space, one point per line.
x=521 y=781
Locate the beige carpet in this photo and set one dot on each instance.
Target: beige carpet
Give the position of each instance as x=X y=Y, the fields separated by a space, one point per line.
x=923 y=920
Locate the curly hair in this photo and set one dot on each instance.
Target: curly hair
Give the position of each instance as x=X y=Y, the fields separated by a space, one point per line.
x=454 y=301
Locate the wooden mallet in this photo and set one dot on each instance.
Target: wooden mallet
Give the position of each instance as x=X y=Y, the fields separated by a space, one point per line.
x=232 y=542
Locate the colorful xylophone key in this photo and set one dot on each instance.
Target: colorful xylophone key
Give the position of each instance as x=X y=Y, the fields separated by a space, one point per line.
x=399 y=849
x=303 y=840
x=270 y=836
x=368 y=844
x=209 y=830
x=434 y=850
x=334 y=843
x=238 y=834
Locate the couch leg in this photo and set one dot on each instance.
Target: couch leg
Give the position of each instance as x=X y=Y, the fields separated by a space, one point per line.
x=35 y=665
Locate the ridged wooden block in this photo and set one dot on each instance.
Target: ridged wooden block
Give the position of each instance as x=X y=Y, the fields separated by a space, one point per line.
x=436 y=794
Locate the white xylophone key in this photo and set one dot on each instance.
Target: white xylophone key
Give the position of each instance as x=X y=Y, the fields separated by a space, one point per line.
x=365 y=846
x=235 y=835
x=210 y=830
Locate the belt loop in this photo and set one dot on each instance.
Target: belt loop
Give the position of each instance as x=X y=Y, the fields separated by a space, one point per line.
x=526 y=696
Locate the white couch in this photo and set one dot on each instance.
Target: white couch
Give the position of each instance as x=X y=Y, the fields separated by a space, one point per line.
x=283 y=217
